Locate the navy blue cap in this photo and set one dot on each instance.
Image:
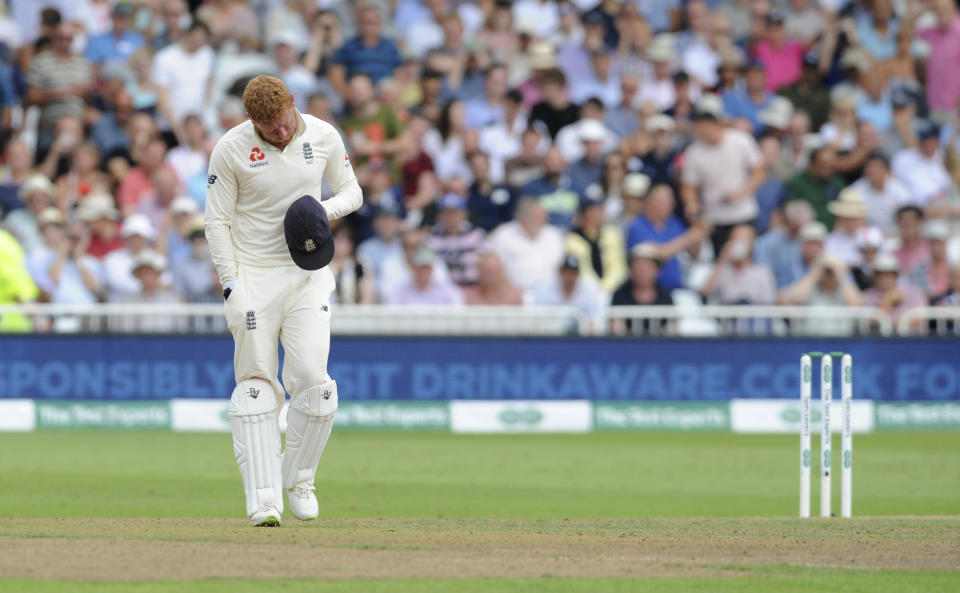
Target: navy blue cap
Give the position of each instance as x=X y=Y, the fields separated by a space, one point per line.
x=811 y=59
x=307 y=231
x=570 y=262
x=927 y=129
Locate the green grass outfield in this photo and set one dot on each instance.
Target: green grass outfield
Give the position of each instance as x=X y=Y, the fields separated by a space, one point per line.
x=622 y=478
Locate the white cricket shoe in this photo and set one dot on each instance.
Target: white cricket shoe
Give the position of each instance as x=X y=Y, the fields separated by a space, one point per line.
x=303 y=503
x=266 y=516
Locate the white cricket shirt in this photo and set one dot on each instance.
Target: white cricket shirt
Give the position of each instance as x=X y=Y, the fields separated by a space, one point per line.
x=251 y=183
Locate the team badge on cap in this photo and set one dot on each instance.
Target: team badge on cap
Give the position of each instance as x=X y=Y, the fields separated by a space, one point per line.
x=307 y=232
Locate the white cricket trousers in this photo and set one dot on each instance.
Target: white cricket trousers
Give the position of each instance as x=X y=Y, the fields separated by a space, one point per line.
x=285 y=304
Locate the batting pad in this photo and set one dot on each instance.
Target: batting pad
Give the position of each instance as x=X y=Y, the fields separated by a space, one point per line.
x=309 y=422
x=256 y=443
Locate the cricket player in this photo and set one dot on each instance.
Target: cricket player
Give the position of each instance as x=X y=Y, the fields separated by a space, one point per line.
x=270 y=242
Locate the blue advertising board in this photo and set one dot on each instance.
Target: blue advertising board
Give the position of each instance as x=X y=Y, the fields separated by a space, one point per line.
x=418 y=368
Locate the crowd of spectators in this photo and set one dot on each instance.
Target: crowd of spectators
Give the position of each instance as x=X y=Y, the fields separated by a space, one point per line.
x=577 y=152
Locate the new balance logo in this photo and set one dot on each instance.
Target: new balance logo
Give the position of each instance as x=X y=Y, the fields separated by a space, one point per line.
x=254 y=393
x=211 y=179
x=324 y=308
x=251 y=319
x=326 y=394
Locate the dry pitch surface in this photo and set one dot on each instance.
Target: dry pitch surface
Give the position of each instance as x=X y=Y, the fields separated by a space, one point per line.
x=163 y=549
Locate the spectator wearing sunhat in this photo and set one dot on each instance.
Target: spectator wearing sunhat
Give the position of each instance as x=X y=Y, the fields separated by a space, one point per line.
x=922 y=169
x=598 y=246
x=138 y=236
x=937 y=232
x=567 y=287
x=827 y=284
x=586 y=172
x=570 y=138
x=61 y=268
x=850 y=214
x=658 y=87
x=722 y=170
x=541 y=60
x=424 y=288
x=36 y=193
x=633 y=189
x=455 y=240
x=149 y=269
x=869 y=242
x=888 y=293
x=775 y=117
x=101 y=217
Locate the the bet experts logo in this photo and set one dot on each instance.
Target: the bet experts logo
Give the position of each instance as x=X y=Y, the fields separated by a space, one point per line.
x=518 y=417
x=257 y=158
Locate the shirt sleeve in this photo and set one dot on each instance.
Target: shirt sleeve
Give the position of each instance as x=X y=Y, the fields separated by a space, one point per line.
x=751 y=151
x=218 y=214
x=689 y=174
x=339 y=173
x=159 y=75
x=926 y=34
